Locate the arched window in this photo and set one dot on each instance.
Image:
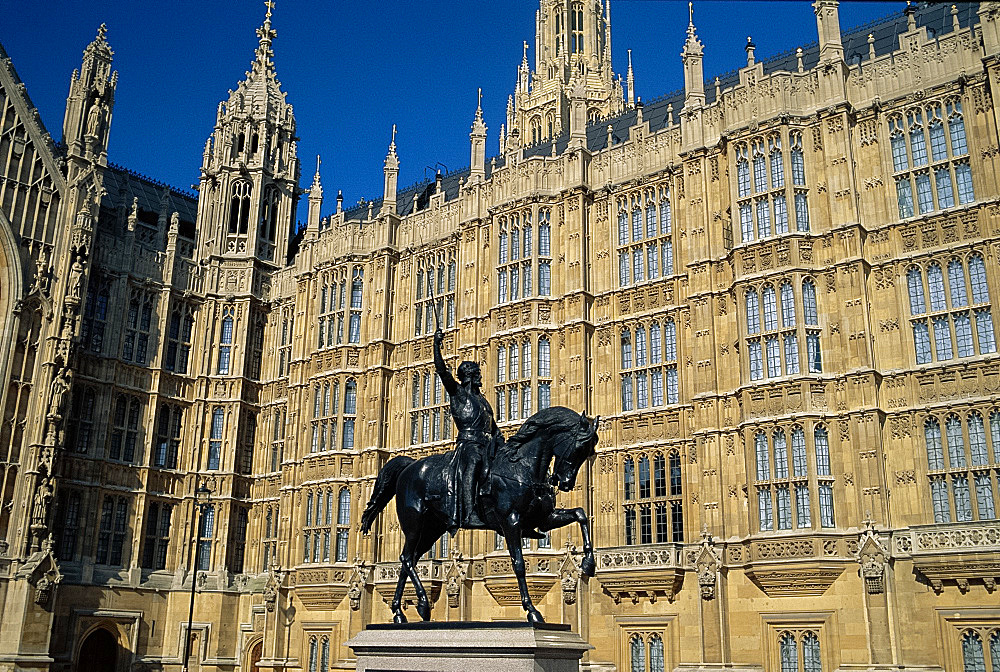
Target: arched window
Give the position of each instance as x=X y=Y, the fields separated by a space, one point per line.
x=973 y=659
x=788 y=651
x=777 y=162
x=763 y=466
x=628 y=478
x=977 y=274
x=780 y=454
x=932 y=442
x=977 y=439
x=787 y=305
x=659 y=476
x=742 y=172
x=810 y=653
x=269 y=213
x=638 y=654
x=324 y=656
x=798 y=452
x=225 y=342
x=915 y=287
x=343 y=523
x=239 y=207
x=935 y=283
x=753 y=312
x=798 y=163
x=640 y=346
x=626 y=349
x=956 y=442
x=759 y=167
x=770 y=309
x=809 y=302
x=215 y=437
x=643 y=477
x=655 y=653
x=918 y=144
x=956 y=284
x=822 y=444
x=314 y=655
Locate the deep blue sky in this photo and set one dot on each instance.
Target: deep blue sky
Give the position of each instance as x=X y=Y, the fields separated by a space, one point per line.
x=351 y=70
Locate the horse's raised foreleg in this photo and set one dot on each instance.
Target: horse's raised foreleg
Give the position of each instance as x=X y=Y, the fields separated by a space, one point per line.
x=512 y=534
x=562 y=517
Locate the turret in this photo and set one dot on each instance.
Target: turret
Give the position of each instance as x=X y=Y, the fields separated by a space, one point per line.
x=477 y=139
x=87 y=120
x=391 y=171
x=692 y=56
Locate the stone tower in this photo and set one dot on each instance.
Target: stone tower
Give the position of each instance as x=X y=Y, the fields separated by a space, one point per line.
x=572 y=43
x=250 y=169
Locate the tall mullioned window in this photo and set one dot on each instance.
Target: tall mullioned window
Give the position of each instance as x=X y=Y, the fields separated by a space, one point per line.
x=518 y=377
x=226 y=340
x=981 y=649
x=950 y=312
x=317 y=527
x=269 y=542
x=793 y=491
x=652 y=491
x=325 y=406
x=963 y=463
x=649 y=365
x=343 y=523
x=179 y=331
x=435 y=277
x=135 y=341
x=645 y=652
x=524 y=255
x=154 y=554
x=286 y=330
x=111 y=548
x=430 y=413
x=930 y=158
x=798 y=651
x=645 y=236
x=778 y=342
x=239 y=207
x=544 y=373
x=215 y=437
x=126 y=418
x=771 y=199
x=357 y=288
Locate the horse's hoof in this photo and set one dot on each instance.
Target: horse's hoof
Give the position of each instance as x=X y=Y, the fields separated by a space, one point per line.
x=588 y=566
x=399 y=618
x=425 y=611
x=535 y=617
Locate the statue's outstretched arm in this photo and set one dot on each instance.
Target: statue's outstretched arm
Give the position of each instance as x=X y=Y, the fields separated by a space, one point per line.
x=449 y=382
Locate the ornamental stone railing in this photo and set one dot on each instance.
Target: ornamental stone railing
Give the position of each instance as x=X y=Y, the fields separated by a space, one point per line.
x=959 y=552
x=650 y=571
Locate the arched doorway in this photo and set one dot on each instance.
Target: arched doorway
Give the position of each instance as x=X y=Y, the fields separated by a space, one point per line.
x=99 y=652
x=254 y=656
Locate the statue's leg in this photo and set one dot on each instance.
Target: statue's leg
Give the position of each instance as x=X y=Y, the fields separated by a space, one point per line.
x=512 y=534
x=563 y=517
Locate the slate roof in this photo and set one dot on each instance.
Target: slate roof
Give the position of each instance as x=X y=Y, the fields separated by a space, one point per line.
x=122 y=185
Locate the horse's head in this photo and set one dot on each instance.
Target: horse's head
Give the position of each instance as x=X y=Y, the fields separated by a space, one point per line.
x=572 y=453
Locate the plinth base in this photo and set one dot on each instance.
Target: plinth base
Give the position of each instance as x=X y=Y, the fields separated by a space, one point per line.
x=504 y=646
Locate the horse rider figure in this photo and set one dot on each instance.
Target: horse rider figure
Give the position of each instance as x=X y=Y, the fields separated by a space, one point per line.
x=477 y=441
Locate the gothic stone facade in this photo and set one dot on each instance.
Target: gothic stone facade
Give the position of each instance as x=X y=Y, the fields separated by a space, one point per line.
x=776 y=290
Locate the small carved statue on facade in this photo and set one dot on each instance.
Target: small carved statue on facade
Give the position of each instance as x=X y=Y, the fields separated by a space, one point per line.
x=354 y=594
x=40 y=508
x=76 y=279
x=60 y=387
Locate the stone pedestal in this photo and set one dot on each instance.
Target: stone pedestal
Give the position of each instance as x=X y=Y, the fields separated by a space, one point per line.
x=503 y=646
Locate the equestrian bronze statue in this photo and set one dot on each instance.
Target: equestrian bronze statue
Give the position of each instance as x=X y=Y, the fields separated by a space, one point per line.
x=486 y=483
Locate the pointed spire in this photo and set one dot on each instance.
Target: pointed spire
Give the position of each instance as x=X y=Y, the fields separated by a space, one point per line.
x=266 y=35
x=750 y=49
x=391 y=174
x=630 y=80
x=478 y=140
x=315 y=201
x=692 y=56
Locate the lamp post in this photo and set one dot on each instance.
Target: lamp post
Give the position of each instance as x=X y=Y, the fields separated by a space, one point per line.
x=202 y=498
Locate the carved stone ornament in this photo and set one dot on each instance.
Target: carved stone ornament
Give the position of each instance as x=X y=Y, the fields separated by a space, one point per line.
x=707 y=566
x=455 y=579
x=872 y=558
x=569 y=572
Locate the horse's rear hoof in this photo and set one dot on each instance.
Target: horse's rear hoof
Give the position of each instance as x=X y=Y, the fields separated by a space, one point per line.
x=588 y=566
x=535 y=617
x=399 y=618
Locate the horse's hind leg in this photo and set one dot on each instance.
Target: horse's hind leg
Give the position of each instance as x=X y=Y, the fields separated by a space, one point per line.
x=512 y=534
x=416 y=545
x=397 y=600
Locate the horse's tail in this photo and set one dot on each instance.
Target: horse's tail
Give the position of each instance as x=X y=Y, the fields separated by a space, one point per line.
x=385 y=490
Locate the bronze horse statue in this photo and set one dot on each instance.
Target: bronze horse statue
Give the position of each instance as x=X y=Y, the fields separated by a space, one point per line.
x=519 y=497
